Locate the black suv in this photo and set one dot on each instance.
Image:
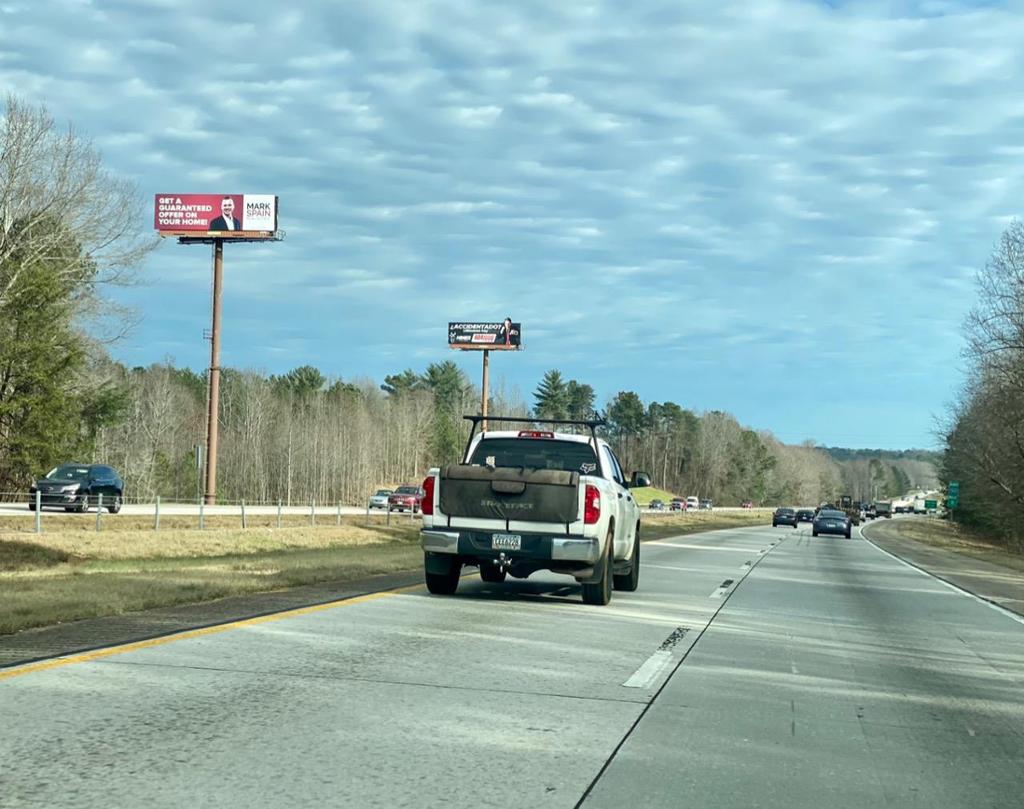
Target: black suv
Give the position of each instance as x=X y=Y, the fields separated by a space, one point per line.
x=77 y=487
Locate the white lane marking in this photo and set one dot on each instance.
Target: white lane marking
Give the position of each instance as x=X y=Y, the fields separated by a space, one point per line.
x=721 y=591
x=673 y=567
x=649 y=670
x=1008 y=613
x=697 y=547
x=745 y=565
x=793 y=667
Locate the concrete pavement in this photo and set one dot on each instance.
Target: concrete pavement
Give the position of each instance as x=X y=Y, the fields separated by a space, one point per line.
x=754 y=667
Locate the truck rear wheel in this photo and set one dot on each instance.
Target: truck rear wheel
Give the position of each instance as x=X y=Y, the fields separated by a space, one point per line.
x=600 y=592
x=628 y=582
x=441 y=574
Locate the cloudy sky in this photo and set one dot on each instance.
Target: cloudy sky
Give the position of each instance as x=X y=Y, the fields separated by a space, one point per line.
x=774 y=208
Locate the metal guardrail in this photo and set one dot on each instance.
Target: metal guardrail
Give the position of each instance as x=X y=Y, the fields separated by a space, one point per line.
x=157 y=508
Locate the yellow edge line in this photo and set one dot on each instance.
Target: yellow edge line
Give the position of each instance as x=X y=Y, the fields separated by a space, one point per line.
x=99 y=654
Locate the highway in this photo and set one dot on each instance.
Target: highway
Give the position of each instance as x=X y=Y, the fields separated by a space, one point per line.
x=754 y=667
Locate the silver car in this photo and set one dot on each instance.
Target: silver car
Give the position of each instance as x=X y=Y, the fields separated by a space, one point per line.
x=380 y=498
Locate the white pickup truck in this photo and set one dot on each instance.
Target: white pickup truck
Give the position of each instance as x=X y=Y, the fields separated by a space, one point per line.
x=528 y=500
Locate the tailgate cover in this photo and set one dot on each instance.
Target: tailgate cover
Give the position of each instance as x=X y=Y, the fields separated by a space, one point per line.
x=532 y=495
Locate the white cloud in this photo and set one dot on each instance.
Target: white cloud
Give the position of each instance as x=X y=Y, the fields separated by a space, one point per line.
x=699 y=159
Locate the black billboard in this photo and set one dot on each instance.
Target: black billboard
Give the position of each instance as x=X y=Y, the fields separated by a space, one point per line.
x=502 y=336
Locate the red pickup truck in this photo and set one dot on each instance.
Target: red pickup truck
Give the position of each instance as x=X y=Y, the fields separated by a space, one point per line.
x=406 y=497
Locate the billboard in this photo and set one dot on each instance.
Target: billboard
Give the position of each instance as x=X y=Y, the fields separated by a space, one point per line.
x=221 y=215
x=501 y=336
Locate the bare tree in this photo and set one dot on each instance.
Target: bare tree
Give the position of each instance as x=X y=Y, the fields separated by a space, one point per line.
x=54 y=190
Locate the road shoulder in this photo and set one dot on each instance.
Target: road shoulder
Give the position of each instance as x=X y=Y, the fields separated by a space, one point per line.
x=988 y=579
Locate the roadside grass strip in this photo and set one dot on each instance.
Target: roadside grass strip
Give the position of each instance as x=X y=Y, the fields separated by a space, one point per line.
x=70 y=576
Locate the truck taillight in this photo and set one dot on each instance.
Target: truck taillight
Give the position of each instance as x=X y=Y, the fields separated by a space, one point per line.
x=427 y=505
x=591 y=505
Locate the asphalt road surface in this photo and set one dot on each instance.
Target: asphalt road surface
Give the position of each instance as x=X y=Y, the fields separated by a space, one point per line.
x=755 y=667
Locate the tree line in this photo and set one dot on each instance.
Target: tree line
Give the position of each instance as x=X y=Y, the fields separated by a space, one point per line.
x=67 y=235
x=984 y=449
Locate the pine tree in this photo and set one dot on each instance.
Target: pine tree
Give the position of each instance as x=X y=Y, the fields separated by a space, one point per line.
x=551 y=397
x=580 y=400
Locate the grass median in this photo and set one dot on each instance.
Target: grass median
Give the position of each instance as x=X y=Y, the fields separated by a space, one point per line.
x=73 y=572
x=948 y=536
x=670 y=524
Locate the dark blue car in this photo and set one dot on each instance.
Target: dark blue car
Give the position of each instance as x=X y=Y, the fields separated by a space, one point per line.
x=832 y=522
x=784 y=516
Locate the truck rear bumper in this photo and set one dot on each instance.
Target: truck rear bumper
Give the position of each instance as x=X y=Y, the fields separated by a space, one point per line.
x=534 y=546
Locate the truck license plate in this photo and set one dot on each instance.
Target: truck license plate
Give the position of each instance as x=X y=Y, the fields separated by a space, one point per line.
x=507 y=542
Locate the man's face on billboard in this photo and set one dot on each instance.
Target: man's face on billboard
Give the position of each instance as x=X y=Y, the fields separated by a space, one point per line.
x=227 y=207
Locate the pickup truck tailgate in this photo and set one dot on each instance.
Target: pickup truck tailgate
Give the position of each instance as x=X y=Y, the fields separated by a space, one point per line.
x=506 y=494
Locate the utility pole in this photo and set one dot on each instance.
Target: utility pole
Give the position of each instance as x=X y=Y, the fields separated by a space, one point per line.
x=213 y=409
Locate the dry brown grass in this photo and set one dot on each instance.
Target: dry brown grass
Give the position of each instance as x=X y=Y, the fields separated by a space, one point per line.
x=95 y=589
x=191 y=543
x=949 y=536
x=59 y=522
x=657 y=526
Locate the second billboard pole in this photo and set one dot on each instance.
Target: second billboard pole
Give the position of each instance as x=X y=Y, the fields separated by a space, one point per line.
x=485 y=386
x=214 y=404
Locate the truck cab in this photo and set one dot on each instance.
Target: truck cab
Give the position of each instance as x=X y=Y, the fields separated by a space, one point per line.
x=528 y=500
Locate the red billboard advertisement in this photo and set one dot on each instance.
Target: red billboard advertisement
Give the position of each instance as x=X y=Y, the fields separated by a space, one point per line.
x=221 y=215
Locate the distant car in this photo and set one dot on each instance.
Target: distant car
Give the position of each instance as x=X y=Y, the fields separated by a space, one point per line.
x=380 y=498
x=870 y=513
x=784 y=516
x=78 y=487
x=805 y=515
x=677 y=504
x=692 y=502
x=656 y=505
x=747 y=504
x=706 y=505
x=406 y=498
x=830 y=521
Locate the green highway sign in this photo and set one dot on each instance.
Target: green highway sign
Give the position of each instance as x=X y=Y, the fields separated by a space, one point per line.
x=953 y=494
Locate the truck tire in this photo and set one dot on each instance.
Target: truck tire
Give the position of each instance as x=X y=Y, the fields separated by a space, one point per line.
x=446 y=581
x=628 y=582
x=600 y=592
x=492 y=574
x=814 y=533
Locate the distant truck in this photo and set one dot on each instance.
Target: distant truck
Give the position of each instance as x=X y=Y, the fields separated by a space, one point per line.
x=883 y=509
x=529 y=500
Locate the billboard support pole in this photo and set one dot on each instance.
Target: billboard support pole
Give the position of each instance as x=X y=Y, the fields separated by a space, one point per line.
x=484 y=388
x=213 y=410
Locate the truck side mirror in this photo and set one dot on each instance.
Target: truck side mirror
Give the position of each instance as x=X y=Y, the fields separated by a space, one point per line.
x=639 y=480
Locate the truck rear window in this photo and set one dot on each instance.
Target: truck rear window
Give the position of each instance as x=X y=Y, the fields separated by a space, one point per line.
x=536 y=453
